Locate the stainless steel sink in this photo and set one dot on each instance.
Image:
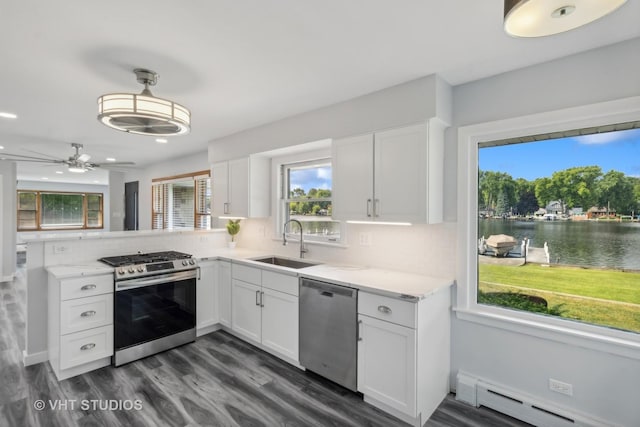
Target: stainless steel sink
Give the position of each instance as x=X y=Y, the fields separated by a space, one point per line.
x=285 y=262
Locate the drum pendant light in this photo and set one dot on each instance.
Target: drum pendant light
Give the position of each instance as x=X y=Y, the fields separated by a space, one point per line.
x=538 y=18
x=143 y=113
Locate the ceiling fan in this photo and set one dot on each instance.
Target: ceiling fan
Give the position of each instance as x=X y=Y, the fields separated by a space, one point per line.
x=78 y=163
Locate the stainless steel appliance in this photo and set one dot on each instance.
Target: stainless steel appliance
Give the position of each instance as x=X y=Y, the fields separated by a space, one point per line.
x=154 y=305
x=328 y=331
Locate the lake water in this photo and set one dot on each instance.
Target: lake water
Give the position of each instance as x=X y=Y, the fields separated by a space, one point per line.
x=587 y=243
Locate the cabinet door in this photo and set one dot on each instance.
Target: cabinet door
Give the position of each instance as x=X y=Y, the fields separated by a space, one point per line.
x=207 y=295
x=387 y=363
x=245 y=309
x=280 y=322
x=352 y=175
x=224 y=293
x=239 y=187
x=219 y=188
x=401 y=174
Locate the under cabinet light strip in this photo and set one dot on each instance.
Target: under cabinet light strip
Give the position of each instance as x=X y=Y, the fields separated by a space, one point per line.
x=379 y=223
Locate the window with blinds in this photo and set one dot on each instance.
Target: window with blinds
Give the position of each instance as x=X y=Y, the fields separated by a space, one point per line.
x=182 y=202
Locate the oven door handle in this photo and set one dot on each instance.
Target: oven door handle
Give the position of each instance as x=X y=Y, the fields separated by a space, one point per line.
x=155 y=280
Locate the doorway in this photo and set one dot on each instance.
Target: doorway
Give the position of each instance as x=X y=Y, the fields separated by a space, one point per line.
x=131 y=205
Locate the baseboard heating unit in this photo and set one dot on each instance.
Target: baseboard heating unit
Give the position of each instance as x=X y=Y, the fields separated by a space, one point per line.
x=480 y=392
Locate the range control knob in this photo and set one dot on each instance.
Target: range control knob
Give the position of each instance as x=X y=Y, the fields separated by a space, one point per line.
x=131 y=270
x=184 y=262
x=141 y=269
x=192 y=262
x=121 y=270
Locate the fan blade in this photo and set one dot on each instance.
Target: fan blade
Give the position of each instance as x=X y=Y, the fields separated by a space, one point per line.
x=103 y=165
x=43 y=154
x=30 y=158
x=83 y=158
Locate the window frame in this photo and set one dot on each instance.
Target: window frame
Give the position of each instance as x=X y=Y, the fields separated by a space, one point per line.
x=85 y=210
x=466 y=307
x=278 y=208
x=196 y=178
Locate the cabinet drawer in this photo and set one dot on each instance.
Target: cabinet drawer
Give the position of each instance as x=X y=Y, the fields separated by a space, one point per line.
x=389 y=309
x=246 y=274
x=86 y=313
x=86 y=346
x=280 y=282
x=85 y=286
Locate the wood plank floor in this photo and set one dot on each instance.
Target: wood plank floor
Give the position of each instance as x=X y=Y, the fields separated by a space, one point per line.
x=217 y=381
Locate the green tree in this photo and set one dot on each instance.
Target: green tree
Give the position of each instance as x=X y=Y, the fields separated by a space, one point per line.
x=617 y=191
x=526 y=201
x=571 y=187
x=491 y=184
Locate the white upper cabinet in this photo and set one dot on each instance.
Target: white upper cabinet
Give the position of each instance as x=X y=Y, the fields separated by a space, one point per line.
x=241 y=188
x=394 y=175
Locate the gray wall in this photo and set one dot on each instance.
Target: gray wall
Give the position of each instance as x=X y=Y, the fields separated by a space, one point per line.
x=116 y=201
x=605 y=385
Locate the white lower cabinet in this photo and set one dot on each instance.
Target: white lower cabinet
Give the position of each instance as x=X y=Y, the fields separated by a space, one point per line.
x=80 y=324
x=265 y=309
x=280 y=322
x=246 y=311
x=207 y=295
x=387 y=363
x=224 y=293
x=403 y=353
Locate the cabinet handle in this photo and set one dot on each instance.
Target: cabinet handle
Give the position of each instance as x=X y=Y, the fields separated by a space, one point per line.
x=199 y=274
x=359 y=330
x=261 y=299
x=88 y=313
x=258 y=298
x=369 y=208
x=87 y=287
x=376 y=202
x=384 y=309
x=87 y=346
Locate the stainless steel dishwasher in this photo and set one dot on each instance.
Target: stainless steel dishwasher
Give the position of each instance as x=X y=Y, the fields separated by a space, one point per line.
x=328 y=331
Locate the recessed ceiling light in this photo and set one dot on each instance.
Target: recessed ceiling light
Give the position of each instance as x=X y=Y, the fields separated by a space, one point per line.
x=96 y=182
x=162 y=140
x=59 y=172
x=1 y=147
x=110 y=159
x=45 y=178
x=6 y=115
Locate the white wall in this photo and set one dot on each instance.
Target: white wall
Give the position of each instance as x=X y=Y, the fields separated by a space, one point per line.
x=400 y=105
x=605 y=385
x=7 y=220
x=191 y=163
x=116 y=201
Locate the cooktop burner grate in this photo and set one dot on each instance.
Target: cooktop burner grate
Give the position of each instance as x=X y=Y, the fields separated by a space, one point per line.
x=119 y=261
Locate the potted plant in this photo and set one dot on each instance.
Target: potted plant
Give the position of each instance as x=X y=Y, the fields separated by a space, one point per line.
x=233 y=228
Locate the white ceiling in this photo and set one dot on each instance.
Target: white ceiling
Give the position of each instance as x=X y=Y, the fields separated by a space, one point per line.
x=241 y=63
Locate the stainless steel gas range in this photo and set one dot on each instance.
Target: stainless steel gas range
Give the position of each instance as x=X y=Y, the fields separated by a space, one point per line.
x=155 y=303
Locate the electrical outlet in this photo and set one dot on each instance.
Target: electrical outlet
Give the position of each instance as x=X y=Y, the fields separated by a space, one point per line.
x=560 y=387
x=204 y=239
x=365 y=238
x=61 y=249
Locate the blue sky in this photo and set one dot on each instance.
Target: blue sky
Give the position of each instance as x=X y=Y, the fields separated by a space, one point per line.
x=307 y=179
x=618 y=150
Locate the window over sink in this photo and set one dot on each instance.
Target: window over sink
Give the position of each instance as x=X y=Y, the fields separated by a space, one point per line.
x=306 y=197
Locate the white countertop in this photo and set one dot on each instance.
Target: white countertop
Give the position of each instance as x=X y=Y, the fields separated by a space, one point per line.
x=93 y=268
x=385 y=282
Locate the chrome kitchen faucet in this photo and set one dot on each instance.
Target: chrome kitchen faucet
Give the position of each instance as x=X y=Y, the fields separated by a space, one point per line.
x=303 y=250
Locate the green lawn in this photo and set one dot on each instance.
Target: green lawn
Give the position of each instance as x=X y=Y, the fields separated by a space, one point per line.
x=612 y=297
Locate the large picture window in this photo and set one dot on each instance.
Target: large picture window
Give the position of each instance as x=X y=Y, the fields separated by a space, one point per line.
x=559 y=226
x=182 y=202
x=306 y=197
x=48 y=210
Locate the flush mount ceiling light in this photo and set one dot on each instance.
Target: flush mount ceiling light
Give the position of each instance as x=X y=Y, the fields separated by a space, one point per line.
x=538 y=18
x=143 y=114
